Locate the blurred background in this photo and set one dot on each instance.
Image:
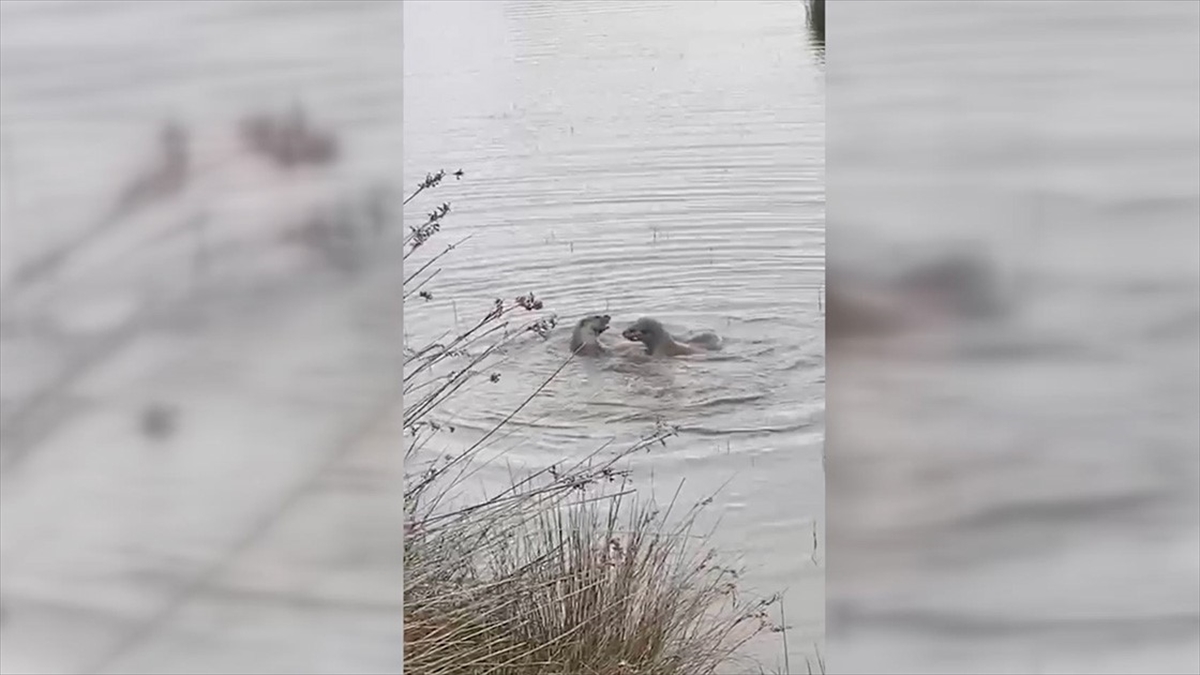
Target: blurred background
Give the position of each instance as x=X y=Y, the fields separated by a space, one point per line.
x=198 y=325
x=1013 y=323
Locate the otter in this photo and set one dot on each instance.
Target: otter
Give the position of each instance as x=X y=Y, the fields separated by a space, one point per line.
x=659 y=342
x=946 y=290
x=585 y=339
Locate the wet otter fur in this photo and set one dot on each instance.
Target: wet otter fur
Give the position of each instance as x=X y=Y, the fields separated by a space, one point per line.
x=585 y=339
x=659 y=342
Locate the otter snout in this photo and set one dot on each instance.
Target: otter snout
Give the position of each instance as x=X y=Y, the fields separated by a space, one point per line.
x=641 y=330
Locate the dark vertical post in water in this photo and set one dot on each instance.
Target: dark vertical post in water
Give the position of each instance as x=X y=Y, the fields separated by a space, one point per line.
x=816 y=21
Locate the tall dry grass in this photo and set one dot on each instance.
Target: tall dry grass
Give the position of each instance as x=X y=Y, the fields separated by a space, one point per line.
x=567 y=570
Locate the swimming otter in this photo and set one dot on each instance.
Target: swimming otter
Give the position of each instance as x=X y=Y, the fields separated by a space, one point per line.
x=585 y=339
x=942 y=291
x=659 y=342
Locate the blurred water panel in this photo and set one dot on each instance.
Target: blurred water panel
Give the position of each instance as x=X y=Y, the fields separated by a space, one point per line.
x=199 y=276
x=1014 y=330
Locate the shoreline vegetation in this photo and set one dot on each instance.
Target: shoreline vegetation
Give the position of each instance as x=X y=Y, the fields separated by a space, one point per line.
x=567 y=570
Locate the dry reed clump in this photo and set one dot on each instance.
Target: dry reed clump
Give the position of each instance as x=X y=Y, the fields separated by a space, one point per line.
x=566 y=571
x=288 y=140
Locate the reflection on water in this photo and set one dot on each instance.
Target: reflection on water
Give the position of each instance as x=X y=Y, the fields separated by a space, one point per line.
x=642 y=159
x=1015 y=490
x=197 y=329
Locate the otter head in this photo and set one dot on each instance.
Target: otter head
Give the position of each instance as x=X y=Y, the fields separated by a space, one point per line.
x=595 y=323
x=646 y=331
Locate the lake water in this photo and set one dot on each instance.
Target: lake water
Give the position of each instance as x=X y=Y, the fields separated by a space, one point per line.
x=1021 y=497
x=642 y=158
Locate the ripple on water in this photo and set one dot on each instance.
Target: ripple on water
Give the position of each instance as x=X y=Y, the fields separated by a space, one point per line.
x=748 y=390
